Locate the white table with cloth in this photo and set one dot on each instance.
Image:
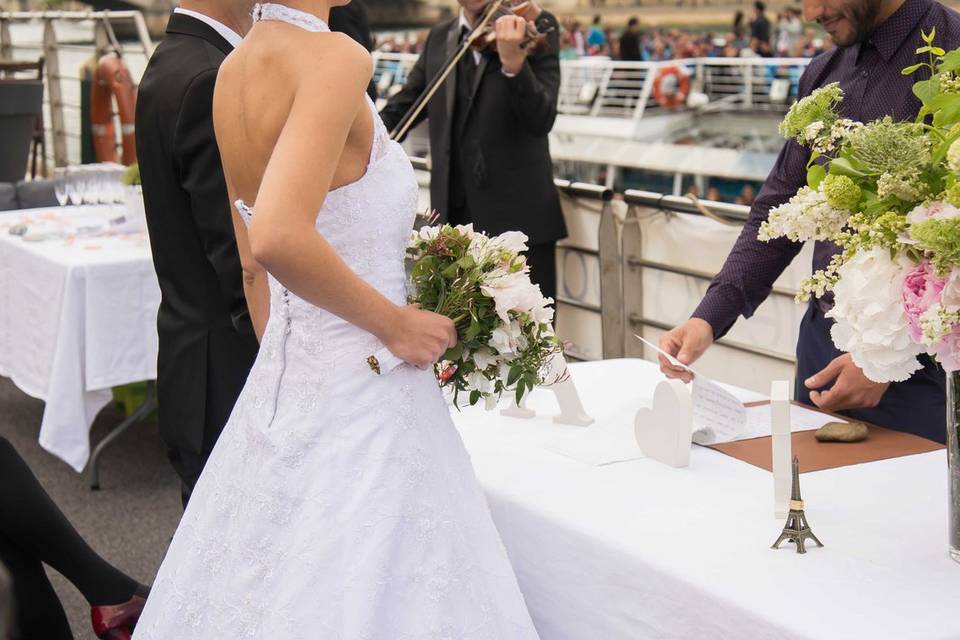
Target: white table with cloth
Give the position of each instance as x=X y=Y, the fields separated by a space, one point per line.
x=637 y=549
x=78 y=316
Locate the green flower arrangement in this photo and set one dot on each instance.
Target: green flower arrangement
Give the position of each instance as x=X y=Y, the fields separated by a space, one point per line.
x=888 y=193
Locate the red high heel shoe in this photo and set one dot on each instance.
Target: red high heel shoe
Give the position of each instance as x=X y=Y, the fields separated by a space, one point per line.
x=116 y=622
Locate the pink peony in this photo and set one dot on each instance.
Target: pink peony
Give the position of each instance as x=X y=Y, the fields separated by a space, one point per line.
x=921 y=288
x=947 y=351
x=935 y=210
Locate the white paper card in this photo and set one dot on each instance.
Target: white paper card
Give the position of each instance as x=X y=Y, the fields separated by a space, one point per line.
x=801 y=419
x=718 y=415
x=597 y=447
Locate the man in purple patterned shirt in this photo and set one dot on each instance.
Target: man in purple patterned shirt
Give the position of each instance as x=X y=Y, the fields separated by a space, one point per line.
x=876 y=39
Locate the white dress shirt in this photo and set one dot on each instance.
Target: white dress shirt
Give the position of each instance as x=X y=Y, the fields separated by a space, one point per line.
x=228 y=34
x=466 y=25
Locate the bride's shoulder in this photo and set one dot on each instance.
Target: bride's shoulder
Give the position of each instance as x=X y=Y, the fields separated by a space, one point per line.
x=334 y=56
x=333 y=64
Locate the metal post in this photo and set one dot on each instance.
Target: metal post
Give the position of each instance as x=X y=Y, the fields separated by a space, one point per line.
x=602 y=90
x=144 y=34
x=611 y=284
x=58 y=132
x=748 y=69
x=101 y=38
x=6 y=43
x=630 y=257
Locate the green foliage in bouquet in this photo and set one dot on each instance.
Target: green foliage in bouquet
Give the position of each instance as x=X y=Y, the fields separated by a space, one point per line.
x=132 y=176
x=888 y=193
x=864 y=179
x=506 y=342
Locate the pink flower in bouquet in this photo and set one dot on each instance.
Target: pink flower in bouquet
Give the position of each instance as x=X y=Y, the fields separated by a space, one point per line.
x=947 y=351
x=921 y=289
x=936 y=210
x=950 y=298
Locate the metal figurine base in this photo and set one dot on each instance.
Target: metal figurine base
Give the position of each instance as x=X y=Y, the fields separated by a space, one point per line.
x=796 y=530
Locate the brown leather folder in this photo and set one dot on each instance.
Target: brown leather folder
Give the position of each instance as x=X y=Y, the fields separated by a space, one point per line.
x=882 y=444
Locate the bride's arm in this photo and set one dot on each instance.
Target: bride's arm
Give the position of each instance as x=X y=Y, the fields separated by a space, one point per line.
x=256 y=288
x=283 y=236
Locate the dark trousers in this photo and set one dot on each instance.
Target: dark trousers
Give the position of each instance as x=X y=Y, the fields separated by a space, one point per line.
x=916 y=406
x=38 y=614
x=541 y=258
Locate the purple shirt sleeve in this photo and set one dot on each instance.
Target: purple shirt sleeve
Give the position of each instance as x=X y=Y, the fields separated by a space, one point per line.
x=747 y=276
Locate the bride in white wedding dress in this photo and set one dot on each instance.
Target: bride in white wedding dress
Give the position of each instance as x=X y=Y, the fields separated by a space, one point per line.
x=337 y=504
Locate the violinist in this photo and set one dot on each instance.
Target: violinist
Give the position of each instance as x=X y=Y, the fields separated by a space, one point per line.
x=489 y=124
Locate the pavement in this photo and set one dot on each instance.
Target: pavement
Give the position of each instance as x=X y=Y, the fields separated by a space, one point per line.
x=130 y=521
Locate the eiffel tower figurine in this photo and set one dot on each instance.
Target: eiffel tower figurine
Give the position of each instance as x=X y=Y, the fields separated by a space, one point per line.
x=796 y=530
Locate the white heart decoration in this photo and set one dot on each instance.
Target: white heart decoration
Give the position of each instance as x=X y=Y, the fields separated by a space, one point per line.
x=665 y=430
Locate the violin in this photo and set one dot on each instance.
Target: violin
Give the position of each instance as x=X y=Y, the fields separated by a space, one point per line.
x=482 y=38
x=486 y=36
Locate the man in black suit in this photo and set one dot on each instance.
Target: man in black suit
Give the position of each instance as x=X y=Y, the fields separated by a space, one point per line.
x=207 y=343
x=489 y=127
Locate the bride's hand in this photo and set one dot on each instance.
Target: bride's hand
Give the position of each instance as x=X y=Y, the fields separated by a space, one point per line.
x=420 y=337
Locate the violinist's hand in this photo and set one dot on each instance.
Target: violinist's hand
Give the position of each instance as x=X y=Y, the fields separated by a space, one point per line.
x=511 y=31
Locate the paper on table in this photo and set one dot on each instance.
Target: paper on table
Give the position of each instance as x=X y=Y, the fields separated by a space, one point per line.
x=801 y=419
x=598 y=446
x=718 y=415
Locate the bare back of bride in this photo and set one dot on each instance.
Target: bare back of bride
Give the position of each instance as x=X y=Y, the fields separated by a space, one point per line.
x=337 y=504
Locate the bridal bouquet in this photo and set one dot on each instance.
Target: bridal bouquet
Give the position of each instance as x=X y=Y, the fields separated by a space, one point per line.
x=503 y=321
x=888 y=193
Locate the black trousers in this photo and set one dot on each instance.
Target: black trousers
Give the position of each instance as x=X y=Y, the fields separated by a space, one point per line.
x=33 y=533
x=916 y=406
x=38 y=614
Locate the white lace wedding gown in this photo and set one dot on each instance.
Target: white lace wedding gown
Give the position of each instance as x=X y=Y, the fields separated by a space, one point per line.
x=338 y=504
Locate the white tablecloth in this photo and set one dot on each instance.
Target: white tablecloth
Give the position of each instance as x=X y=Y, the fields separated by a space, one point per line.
x=77 y=317
x=640 y=550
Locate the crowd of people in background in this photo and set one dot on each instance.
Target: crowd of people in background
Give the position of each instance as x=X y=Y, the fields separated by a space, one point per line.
x=749 y=36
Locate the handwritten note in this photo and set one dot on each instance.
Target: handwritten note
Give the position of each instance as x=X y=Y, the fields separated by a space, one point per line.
x=718 y=415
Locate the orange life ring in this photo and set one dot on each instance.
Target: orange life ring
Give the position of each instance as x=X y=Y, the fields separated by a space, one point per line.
x=670 y=87
x=111 y=80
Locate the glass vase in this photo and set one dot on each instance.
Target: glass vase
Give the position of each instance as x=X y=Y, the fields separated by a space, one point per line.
x=953 y=460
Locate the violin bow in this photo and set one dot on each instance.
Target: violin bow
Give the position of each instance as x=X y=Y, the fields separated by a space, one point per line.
x=403 y=127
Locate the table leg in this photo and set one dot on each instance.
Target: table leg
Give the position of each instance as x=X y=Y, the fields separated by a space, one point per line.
x=148 y=405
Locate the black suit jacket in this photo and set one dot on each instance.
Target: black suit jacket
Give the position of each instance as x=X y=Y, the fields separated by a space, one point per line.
x=504 y=142
x=207 y=343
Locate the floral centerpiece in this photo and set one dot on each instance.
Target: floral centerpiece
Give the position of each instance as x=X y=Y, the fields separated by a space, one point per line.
x=503 y=321
x=888 y=193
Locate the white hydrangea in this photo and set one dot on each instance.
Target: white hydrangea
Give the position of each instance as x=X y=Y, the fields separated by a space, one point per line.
x=870 y=321
x=806 y=216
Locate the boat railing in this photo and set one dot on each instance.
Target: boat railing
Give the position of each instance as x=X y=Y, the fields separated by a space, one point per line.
x=638 y=263
x=62 y=95
x=604 y=88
